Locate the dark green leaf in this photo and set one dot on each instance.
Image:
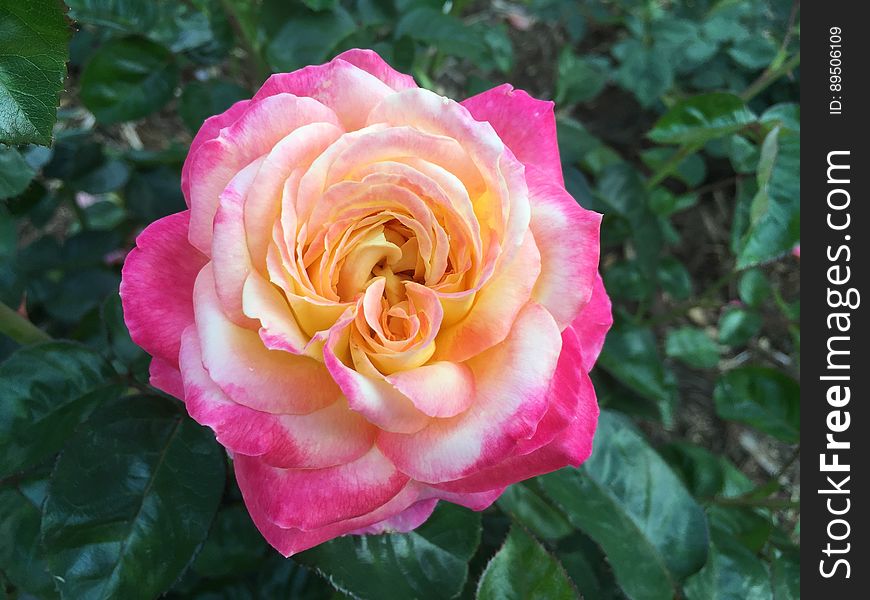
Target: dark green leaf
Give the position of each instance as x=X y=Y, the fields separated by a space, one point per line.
x=128 y=79
x=308 y=38
x=785 y=575
x=690 y=171
x=629 y=501
x=764 y=398
x=107 y=177
x=522 y=570
x=431 y=26
x=430 y=562
x=140 y=477
x=732 y=572
x=525 y=505
x=674 y=278
x=15 y=173
x=774 y=215
x=47 y=389
x=754 y=52
x=21 y=558
x=626 y=280
x=754 y=287
x=738 y=325
x=587 y=568
x=692 y=346
x=129 y=16
x=579 y=79
x=743 y=154
x=154 y=193
x=202 y=99
x=700 y=469
x=234 y=546
x=644 y=71
x=33 y=55
x=630 y=355
x=702 y=118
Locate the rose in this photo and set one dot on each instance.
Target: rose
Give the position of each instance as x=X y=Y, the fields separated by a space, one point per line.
x=377 y=299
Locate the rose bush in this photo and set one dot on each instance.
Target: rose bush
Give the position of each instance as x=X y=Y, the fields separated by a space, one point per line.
x=378 y=298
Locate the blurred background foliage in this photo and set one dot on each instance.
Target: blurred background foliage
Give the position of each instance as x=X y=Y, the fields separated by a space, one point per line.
x=677 y=120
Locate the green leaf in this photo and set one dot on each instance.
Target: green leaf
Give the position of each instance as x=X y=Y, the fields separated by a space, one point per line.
x=15 y=173
x=630 y=355
x=692 y=346
x=738 y=325
x=128 y=16
x=524 y=569
x=154 y=193
x=629 y=501
x=743 y=154
x=233 y=547
x=430 y=562
x=754 y=52
x=202 y=99
x=774 y=214
x=47 y=390
x=732 y=572
x=579 y=79
x=700 y=469
x=140 y=477
x=33 y=54
x=525 y=505
x=702 y=118
x=690 y=171
x=674 y=278
x=785 y=576
x=645 y=71
x=754 y=287
x=587 y=568
x=447 y=33
x=127 y=79
x=307 y=38
x=21 y=558
x=764 y=398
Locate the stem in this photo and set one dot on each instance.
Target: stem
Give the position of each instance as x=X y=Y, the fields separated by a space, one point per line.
x=672 y=164
x=16 y=327
x=769 y=76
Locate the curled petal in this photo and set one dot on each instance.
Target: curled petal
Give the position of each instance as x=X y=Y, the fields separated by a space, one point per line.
x=593 y=323
x=512 y=381
x=157 y=286
x=568 y=237
x=438 y=389
x=166 y=377
x=407 y=520
x=526 y=125
x=370 y=62
x=262 y=125
x=250 y=374
x=313 y=498
x=324 y=438
x=563 y=436
x=290 y=540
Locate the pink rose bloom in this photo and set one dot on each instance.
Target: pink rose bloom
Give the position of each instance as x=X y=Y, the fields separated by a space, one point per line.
x=379 y=298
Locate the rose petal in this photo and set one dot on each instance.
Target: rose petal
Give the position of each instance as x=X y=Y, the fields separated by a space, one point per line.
x=568 y=237
x=437 y=389
x=313 y=498
x=236 y=359
x=166 y=377
x=370 y=62
x=512 y=381
x=593 y=323
x=328 y=437
x=217 y=161
x=525 y=124
x=157 y=286
x=407 y=520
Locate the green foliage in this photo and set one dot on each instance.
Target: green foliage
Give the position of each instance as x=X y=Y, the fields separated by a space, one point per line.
x=524 y=569
x=433 y=559
x=629 y=501
x=33 y=53
x=677 y=121
x=140 y=476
